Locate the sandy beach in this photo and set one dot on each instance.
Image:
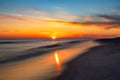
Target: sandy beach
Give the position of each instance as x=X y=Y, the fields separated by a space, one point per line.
x=98 y=63
x=43 y=67
x=59 y=39
x=87 y=60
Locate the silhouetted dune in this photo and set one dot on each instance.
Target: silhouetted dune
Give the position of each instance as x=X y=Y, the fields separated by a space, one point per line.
x=113 y=40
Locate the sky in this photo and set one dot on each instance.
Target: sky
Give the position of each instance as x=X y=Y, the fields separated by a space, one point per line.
x=59 y=18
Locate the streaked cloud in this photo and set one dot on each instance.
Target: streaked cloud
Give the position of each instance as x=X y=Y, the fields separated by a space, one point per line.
x=14 y=18
x=40 y=23
x=36 y=11
x=10 y=17
x=64 y=16
x=88 y=18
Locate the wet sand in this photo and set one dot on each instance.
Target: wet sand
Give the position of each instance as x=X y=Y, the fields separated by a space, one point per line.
x=98 y=63
x=43 y=67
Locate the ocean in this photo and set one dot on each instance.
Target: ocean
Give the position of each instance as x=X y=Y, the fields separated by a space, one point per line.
x=28 y=59
x=15 y=47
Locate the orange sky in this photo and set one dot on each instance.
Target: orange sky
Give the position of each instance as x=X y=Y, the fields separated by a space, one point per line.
x=34 y=28
x=19 y=26
x=59 y=18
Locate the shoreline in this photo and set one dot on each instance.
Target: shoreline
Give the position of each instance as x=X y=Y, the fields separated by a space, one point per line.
x=98 y=63
x=43 y=67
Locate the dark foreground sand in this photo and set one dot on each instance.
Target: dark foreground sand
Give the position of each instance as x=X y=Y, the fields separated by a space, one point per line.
x=98 y=63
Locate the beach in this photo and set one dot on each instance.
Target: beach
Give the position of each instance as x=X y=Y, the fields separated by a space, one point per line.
x=98 y=63
x=73 y=60
x=59 y=39
x=42 y=67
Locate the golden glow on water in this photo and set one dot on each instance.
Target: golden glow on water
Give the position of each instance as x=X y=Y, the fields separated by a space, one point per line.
x=57 y=60
x=44 y=66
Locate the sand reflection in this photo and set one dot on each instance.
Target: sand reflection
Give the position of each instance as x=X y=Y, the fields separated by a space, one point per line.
x=58 y=63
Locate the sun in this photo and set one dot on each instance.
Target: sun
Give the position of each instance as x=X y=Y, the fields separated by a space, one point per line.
x=53 y=37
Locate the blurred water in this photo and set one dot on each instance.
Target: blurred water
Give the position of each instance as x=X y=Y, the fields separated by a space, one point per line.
x=14 y=47
x=22 y=59
x=43 y=67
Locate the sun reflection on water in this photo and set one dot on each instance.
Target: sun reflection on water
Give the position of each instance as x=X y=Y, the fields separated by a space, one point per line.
x=58 y=64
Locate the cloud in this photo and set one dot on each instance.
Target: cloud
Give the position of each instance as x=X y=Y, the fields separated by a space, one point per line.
x=114 y=18
x=61 y=14
x=93 y=23
x=65 y=16
x=36 y=11
x=107 y=20
x=11 y=17
x=88 y=18
x=57 y=14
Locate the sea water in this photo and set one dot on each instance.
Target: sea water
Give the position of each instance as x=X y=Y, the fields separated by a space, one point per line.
x=14 y=47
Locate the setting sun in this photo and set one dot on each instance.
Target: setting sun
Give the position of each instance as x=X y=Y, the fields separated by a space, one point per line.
x=59 y=39
x=53 y=37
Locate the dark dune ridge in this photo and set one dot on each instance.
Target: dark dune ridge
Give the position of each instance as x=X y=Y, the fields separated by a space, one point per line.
x=114 y=40
x=98 y=63
x=34 y=52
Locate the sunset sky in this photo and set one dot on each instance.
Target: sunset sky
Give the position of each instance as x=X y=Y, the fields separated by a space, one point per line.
x=60 y=18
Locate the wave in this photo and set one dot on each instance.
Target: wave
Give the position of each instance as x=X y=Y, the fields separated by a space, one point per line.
x=34 y=52
x=9 y=42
